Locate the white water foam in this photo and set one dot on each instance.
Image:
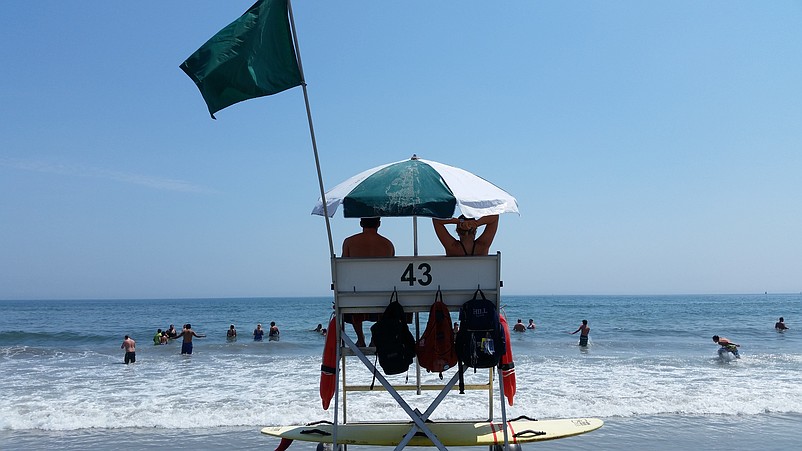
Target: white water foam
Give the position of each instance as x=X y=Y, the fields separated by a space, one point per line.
x=211 y=391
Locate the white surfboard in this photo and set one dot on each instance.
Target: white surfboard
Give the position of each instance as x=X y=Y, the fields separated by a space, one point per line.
x=459 y=433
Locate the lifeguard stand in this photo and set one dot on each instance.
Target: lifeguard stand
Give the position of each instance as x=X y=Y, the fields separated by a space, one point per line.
x=364 y=285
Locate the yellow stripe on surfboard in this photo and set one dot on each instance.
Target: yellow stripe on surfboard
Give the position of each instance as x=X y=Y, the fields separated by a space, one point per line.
x=459 y=433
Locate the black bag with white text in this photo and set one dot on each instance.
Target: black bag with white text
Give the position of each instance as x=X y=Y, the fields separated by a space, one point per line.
x=480 y=340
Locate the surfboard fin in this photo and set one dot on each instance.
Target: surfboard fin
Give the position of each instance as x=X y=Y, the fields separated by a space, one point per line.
x=284 y=444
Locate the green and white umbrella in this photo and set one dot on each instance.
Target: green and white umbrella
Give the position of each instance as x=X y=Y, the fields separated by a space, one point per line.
x=417 y=187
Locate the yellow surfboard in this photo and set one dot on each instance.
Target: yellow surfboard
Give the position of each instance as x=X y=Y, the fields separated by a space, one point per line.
x=459 y=433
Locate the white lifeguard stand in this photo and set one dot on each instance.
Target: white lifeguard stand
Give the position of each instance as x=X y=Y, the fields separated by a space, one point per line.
x=365 y=285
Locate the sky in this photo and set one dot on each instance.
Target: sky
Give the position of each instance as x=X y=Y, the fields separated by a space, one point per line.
x=653 y=147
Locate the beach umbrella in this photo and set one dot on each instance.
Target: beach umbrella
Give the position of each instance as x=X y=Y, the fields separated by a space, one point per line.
x=417 y=187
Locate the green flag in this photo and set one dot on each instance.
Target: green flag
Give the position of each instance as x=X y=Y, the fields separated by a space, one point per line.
x=251 y=57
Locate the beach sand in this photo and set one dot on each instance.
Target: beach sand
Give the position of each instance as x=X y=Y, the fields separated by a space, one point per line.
x=656 y=433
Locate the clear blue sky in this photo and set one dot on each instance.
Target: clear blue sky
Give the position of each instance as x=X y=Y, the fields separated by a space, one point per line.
x=653 y=147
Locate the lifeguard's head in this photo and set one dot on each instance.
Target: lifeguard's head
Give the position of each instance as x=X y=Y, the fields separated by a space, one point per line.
x=463 y=231
x=370 y=223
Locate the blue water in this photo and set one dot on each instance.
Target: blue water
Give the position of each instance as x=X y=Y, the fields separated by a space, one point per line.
x=650 y=371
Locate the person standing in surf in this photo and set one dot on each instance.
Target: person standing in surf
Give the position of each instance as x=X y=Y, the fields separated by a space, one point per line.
x=188 y=333
x=273 y=334
x=231 y=333
x=583 y=337
x=368 y=243
x=468 y=243
x=780 y=325
x=130 y=349
x=171 y=333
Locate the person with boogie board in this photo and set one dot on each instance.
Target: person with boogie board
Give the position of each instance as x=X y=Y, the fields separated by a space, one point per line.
x=726 y=346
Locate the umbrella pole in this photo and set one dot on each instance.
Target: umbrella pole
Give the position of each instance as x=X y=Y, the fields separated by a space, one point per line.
x=415 y=235
x=311 y=132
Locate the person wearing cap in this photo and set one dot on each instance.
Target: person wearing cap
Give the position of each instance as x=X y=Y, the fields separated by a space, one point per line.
x=258 y=333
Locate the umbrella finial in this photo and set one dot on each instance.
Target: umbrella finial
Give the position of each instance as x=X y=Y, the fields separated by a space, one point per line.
x=414 y=157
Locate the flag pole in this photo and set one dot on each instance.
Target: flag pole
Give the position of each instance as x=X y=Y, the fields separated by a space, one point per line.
x=311 y=130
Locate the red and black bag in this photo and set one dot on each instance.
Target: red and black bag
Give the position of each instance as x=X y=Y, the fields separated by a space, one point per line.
x=435 y=349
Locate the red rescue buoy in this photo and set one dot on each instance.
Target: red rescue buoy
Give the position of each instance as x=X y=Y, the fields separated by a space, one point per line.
x=328 y=380
x=507 y=365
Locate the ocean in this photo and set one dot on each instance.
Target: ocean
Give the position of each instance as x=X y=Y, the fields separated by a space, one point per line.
x=651 y=372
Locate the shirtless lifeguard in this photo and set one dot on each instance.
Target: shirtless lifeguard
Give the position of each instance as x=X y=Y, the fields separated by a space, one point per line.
x=366 y=244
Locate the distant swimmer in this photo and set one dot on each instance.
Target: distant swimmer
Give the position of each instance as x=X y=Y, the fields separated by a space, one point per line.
x=258 y=333
x=318 y=329
x=583 y=337
x=519 y=327
x=274 y=332
x=726 y=346
x=531 y=324
x=231 y=333
x=188 y=333
x=130 y=349
x=780 y=325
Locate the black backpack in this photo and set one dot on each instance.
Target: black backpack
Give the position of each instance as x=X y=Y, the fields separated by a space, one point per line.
x=480 y=340
x=395 y=345
x=435 y=348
